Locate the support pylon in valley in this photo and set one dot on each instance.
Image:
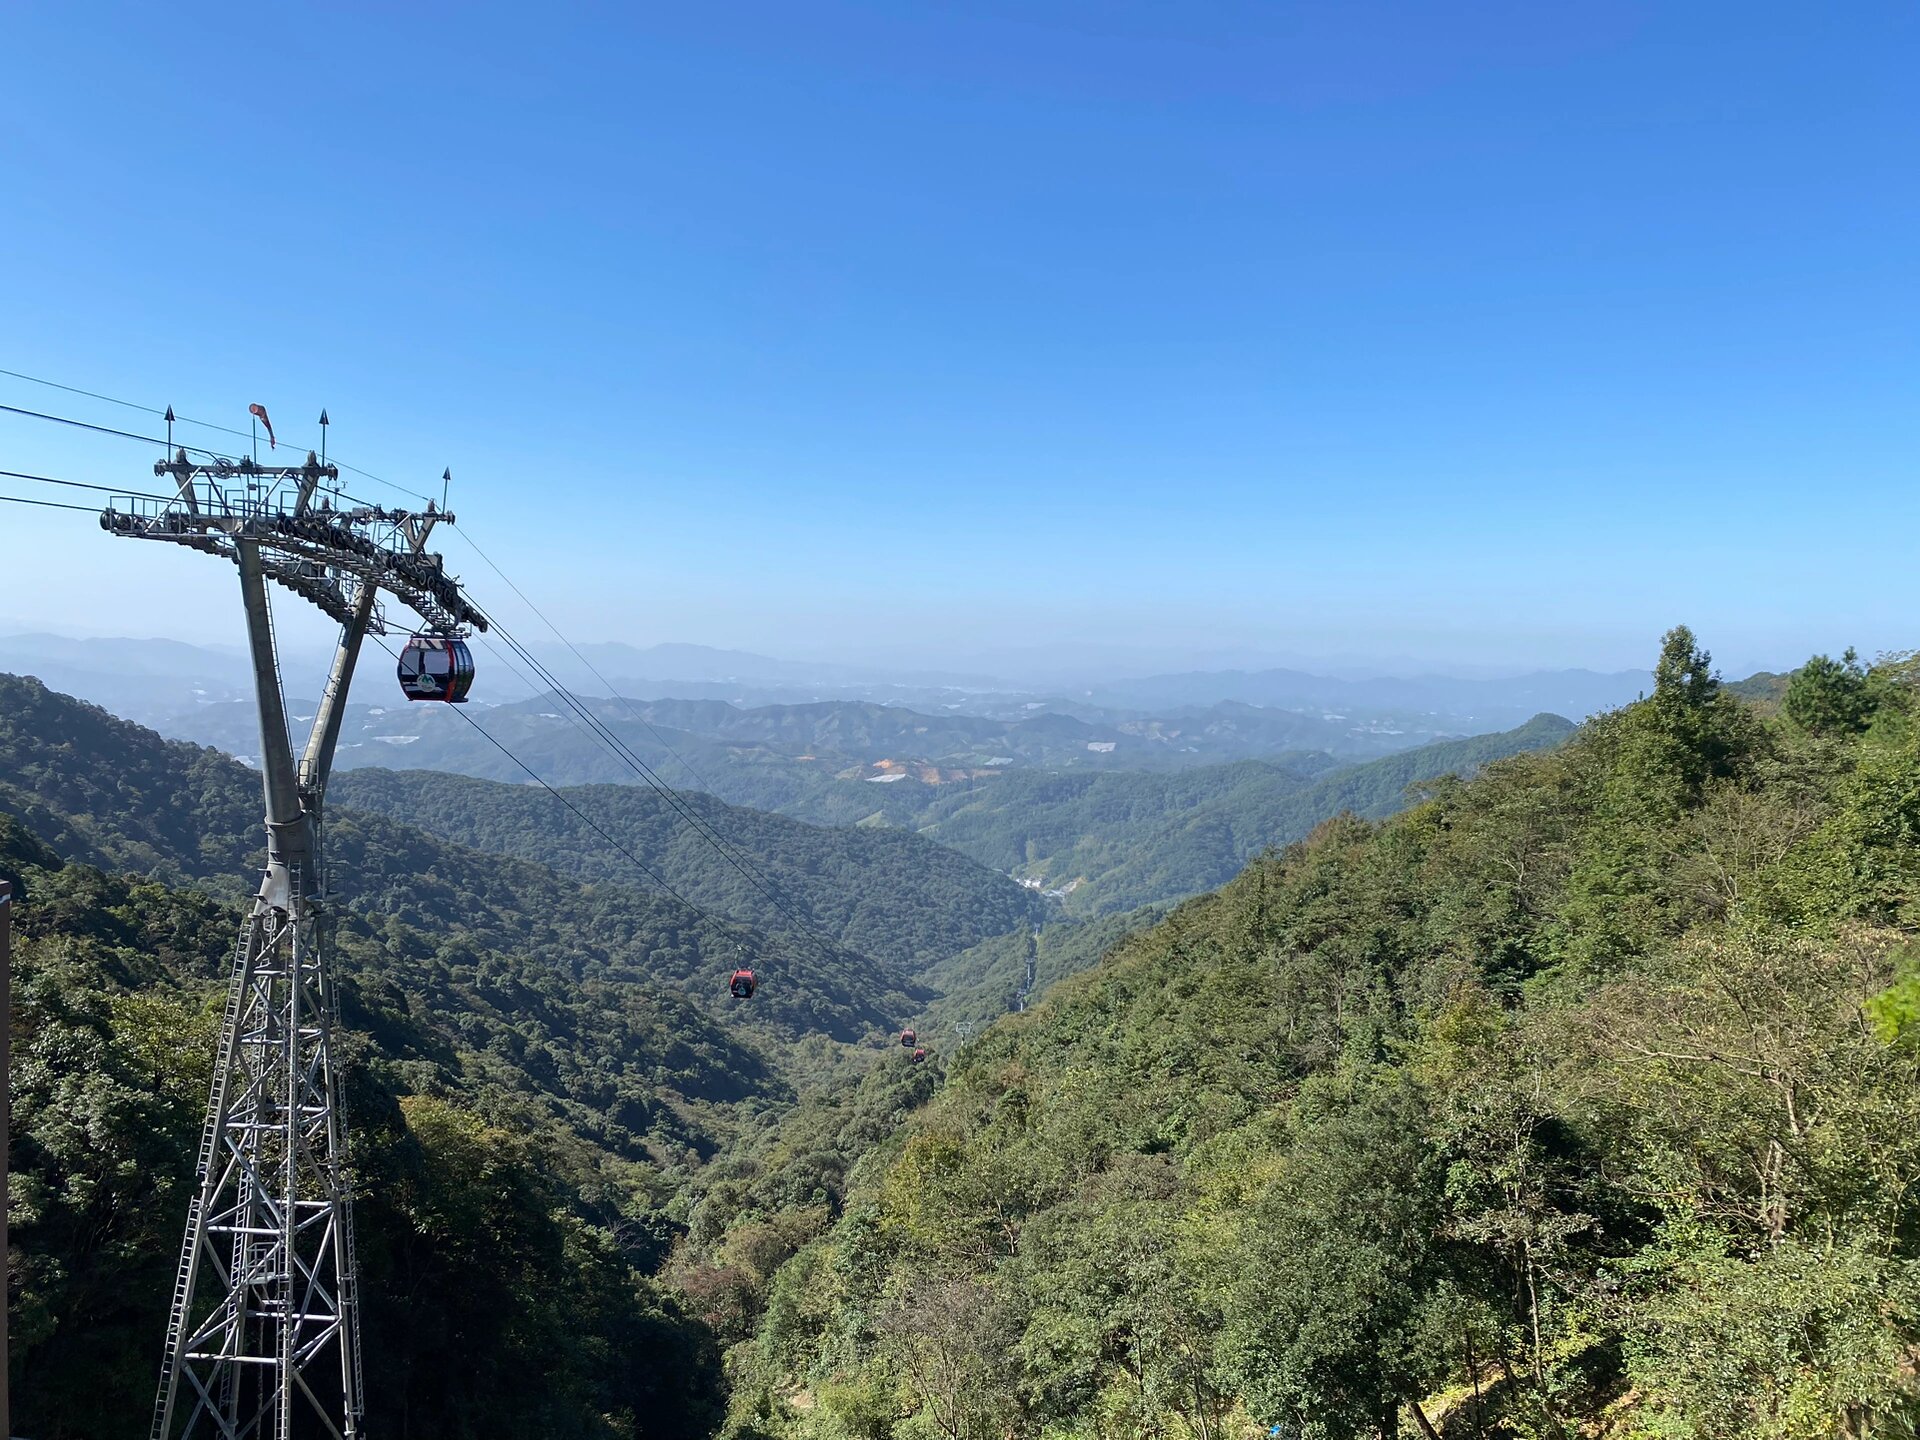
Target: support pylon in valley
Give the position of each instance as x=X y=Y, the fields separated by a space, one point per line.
x=263 y=1338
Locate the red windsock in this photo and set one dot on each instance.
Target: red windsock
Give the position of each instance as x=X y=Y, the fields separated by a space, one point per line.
x=259 y=412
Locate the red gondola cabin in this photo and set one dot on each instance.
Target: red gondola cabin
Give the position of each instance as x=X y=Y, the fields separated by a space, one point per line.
x=918 y=1056
x=743 y=985
x=907 y=1038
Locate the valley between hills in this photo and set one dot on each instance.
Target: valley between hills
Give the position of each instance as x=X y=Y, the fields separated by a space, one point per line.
x=1281 y=1085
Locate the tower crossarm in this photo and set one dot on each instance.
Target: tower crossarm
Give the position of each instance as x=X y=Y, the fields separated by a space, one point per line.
x=308 y=546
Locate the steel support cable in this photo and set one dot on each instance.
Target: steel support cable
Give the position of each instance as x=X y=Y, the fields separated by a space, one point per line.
x=76 y=390
x=494 y=654
x=720 y=845
x=129 y=404
x=574 y=720
x=84 y=485
x=726 y=848
x=625 y=754
x=608 y=738
x=49 y=504
x=534 y=688
x=621 y=751
x=203 y=424
x=152 y=440
x=179 y=419
x=593 y=670
x=101 y=429
x=585 y=818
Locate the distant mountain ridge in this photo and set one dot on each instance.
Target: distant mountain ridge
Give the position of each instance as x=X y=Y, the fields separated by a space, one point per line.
x=672 y=660
x=1575 y=693
x=833 y=739
x=135 y=676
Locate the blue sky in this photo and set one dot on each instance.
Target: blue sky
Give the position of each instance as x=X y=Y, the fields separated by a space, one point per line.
x=1505 y=333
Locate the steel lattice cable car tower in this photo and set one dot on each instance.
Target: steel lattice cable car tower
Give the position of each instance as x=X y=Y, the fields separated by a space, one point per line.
x=263 y=1339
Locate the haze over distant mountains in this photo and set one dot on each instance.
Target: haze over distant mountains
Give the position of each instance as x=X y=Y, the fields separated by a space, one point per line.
x=638 y=671
x=830 y=744
x=155 y=680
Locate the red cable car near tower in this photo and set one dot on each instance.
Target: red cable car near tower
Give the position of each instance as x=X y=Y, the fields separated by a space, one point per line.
x=436 y=667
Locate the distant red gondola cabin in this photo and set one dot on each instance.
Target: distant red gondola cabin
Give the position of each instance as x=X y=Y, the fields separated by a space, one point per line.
x=907 y=1037
x=743 y=985
x=436 y=667
x=918 y=1056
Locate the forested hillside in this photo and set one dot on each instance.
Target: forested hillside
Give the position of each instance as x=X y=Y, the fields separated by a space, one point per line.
x=1115 y=842
x=539 y=1070
x=884 y=892
x=114 y=794
x=1110 y=842
x=1581 y=1099
x=519 y=1137
x=536 y=1092
x=111 y=793
x=1006 y=973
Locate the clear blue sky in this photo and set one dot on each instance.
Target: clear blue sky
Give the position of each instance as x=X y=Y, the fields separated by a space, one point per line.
x=1503 y=333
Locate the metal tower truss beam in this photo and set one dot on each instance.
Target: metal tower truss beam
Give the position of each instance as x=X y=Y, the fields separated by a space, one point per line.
x=263 y=1339
x=264 y=1307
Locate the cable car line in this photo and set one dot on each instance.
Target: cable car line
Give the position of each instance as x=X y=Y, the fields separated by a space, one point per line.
x=102 y=429
x=49 y=504
x=627 y=756
x=743 y=983
x=592 y=669
x=188 y=420
x=84 y=485
x=531 y=774
x=122 y=434
x=573 y=717
x=155 y=440
x=701 y=826
x=623 y=752
x=714 y=922
x=574 y=705
x=534 y=690
x=726 y=847
x=130 y=404
x=90 y=394
x=723 y=847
